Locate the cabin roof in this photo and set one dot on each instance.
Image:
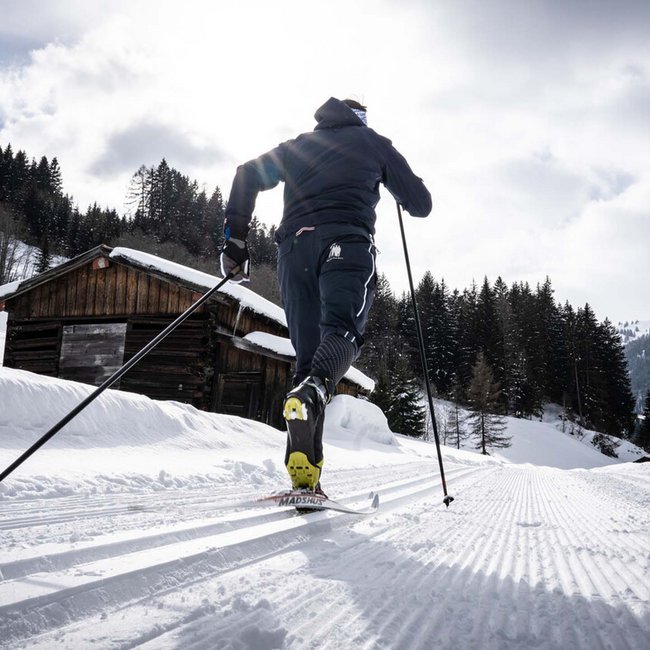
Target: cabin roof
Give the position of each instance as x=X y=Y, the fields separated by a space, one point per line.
x=179 y=274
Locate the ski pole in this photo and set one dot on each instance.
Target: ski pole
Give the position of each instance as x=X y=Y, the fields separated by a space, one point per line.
x=116 y=375
x=447 y=498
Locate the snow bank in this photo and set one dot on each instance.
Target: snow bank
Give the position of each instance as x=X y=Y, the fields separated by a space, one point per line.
x=351 y=418
x=124 y=441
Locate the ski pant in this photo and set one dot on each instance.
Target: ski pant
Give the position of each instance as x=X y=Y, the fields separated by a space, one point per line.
x=327 y=281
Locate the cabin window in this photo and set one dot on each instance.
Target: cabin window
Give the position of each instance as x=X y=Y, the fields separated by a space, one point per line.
x=92 y=352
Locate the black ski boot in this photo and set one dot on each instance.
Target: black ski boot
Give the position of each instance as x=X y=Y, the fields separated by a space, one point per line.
x=304 y=408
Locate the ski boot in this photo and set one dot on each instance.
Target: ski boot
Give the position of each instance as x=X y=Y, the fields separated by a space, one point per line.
x=303 y=410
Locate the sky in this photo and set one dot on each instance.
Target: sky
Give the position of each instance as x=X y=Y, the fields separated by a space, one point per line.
x=529 y=122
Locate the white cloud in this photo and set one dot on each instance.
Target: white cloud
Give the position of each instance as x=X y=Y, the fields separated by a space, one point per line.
x=528 y=121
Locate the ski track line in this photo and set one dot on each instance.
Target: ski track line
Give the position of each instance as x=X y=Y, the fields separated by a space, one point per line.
x=388 y=622
x=235 y=568
x=503 y=628
x=184 y=500
x=104 y=548
x=586 y=579
x=85 y=582
x=472 y=598
x=425 y=554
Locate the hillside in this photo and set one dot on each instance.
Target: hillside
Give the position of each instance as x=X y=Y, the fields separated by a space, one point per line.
x=633 y=330
x=117 y=534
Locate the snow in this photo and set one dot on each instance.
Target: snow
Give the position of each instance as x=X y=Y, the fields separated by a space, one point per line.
x=117 y=534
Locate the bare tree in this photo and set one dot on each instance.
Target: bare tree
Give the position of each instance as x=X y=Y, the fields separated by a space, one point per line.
x=14 y=257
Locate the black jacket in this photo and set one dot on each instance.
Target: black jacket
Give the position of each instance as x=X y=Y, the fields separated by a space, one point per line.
x=331 y=174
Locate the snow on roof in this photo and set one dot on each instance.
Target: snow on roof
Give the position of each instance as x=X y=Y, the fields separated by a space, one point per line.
x=9 y=288
x=284 y=346
x=244 y=296
x=271 y=342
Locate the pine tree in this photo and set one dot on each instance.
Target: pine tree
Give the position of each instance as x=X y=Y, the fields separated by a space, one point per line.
x=398 y=395
x=484 y=394
x=383 y=341
x=616 y=402
x=455 y=429
x=468 y=334
x=43 y=256
x=490 y=337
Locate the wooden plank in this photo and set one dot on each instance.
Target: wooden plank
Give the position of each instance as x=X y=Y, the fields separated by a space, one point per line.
x=35 y=344
x=89 y=307
x=154 y=295
x=100 y=291
x=142 y=301
x=70 y=288
x=131 y=291
x=59 y=308
x=81 y=291
x=110 y=290
x=121 y=280
x=163 y=298
x=37 y=296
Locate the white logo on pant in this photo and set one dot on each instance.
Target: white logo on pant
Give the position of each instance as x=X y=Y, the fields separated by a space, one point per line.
x=335 y=252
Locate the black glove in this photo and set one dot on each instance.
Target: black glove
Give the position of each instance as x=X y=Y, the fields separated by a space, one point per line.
x=234 y=253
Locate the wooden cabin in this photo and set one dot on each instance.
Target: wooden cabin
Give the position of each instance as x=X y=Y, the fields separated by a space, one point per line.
x=83 y=319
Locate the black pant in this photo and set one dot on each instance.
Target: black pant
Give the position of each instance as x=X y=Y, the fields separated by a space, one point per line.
x=327 y=280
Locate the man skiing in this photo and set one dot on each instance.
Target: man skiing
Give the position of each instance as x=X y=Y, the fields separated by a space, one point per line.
x=326 y=255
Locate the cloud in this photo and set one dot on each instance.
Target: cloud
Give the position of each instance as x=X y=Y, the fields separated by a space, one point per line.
x=146 y=143
x=528 y=121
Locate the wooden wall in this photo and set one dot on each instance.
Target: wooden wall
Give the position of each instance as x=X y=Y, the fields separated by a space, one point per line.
x=114 y=291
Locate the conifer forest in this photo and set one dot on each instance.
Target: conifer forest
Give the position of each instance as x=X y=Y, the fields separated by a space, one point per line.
x=491 y=347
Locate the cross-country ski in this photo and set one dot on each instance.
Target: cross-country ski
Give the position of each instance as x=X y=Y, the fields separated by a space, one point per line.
x=306 y=501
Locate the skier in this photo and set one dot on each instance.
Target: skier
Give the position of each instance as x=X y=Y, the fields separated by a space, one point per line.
x=326 y=255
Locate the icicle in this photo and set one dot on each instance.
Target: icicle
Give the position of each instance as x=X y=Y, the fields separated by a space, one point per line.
x=239 y=313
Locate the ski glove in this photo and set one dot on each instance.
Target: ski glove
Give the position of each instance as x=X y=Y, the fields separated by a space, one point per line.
x=234 y=253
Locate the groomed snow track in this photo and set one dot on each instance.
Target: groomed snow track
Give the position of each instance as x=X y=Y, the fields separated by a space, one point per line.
x=525 y=557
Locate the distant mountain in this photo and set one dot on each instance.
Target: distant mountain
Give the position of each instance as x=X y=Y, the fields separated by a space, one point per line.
x=633 y=329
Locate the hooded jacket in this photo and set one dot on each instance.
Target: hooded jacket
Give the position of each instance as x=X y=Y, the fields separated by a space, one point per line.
x=331 y=175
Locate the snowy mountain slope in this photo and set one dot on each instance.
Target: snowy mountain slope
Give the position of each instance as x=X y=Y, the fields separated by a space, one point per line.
x=632 y=330
x=113 y=536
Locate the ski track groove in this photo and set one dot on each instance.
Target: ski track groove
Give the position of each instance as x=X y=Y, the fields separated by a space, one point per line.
x=522 y=514
x=202 y=559
x=583 y=579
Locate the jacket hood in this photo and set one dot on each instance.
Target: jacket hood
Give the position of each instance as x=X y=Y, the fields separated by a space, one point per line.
x=334 y=113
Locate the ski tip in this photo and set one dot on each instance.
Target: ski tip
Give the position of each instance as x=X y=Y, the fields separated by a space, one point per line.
x=375 y=502
x=447 y=500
